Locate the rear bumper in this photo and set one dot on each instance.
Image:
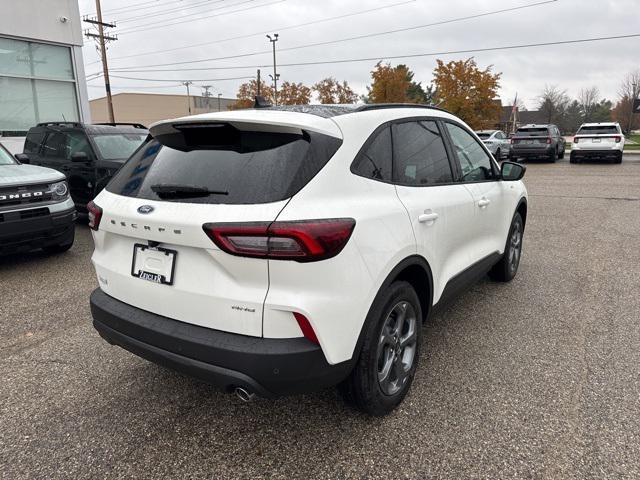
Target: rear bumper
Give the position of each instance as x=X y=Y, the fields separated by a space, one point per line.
x=268 y=367
x=608 y=154
x=28 y=229
x=531 y=152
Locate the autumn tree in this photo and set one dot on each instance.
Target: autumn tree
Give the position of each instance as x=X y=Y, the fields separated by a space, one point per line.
x=629 y=90
x=390 y=84
x=468 y=92
x=330 y=91
x=247 y=94
x=291 y=93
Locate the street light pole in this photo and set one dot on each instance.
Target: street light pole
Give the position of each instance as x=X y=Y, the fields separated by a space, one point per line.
x=219 y=95
x=275 y=76
x=634 y=95
x=186 y=84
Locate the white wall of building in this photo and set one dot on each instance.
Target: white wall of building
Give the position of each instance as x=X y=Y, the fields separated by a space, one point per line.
x=43 y=23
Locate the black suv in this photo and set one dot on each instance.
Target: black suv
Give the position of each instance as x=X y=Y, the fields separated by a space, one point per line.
x=88 y=155
x=537 y=141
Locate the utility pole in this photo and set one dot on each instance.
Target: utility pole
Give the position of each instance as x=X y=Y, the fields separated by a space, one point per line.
x=102 y=39
x=258 y=86
x=206 y=94
x=634 y=95
x=186 y=84
x=275 y=75
x=219 y=95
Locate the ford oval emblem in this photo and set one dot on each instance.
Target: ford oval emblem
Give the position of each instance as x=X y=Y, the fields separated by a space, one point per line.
x=144 y=209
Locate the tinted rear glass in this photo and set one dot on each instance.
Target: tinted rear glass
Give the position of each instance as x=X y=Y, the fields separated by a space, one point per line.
x=483 y=136
x=258 y=167
x=533 y=132
x=599 y=130
x=33 y=141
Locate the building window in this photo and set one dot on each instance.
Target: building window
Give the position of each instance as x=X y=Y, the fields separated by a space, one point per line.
x=37 y=84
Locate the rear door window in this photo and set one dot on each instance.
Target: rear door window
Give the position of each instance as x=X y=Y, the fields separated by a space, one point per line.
x=420 y=157
x=253 y=167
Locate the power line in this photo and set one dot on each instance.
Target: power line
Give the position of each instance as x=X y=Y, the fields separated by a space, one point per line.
x=290 y=27
x=179 y=80
x=138 y=6
x=357 y=37
x=169 y=10
x=396 y=57
x=154 y=26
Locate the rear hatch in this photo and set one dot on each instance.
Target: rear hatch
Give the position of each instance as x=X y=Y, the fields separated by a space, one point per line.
x=151 y=249
x=531 y=138
x=598 y=137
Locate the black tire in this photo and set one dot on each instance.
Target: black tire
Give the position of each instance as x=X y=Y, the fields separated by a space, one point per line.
x=618 y=158
x=561 y=156
x=505 y=270
x=498 y=155
x=363 y=389
x=573 y=158
x=553 y=156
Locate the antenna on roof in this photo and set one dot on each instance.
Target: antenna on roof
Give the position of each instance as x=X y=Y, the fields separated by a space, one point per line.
x=261 y=102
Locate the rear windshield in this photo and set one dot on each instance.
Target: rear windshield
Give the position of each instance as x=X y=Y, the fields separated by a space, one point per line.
x=533 y=132
x=118 y=146
x=599 y=130
x=483 y=136
x=258 y=167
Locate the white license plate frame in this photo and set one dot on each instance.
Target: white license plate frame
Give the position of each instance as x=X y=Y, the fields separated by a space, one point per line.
x=164 y=258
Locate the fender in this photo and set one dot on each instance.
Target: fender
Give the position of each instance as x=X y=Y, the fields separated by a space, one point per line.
x=395 y=274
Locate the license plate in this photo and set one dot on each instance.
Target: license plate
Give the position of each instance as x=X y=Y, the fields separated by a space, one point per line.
x=154 y=264
x=528 y=142
x=596 y=140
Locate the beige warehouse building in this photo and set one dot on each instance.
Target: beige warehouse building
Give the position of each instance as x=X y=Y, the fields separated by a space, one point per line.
x=147 y=108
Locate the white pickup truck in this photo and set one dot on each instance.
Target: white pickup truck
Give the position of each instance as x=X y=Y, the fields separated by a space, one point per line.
x=36 y=210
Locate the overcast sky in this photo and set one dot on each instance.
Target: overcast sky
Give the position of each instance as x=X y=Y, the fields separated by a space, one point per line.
x=141 y=28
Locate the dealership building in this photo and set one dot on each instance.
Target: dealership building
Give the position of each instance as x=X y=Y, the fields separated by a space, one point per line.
x=41 y=69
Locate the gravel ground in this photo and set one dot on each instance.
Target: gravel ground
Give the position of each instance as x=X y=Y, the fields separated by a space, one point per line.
x=539 y=378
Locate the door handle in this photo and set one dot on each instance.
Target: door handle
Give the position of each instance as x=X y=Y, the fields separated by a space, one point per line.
x=428 y=217
x=484 y=202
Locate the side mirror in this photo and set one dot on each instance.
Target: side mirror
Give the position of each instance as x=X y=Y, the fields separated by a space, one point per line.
x=512 y=172
x=80 y=157
x=23 y=158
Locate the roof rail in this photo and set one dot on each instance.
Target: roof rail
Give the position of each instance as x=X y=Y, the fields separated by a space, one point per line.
x=46 y=124
x=380 y=106
x=117 y=124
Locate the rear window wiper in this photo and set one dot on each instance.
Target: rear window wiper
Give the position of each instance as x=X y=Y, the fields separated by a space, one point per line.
x=164 y=190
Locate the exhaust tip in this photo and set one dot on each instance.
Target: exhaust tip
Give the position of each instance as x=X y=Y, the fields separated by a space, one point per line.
x=244 y=395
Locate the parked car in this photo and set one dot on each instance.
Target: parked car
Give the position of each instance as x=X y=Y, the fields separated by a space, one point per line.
x=497 y=142
x=602 y=141
x=537 y=141
x=35 y=208
x=273 y=252
x=88 y=155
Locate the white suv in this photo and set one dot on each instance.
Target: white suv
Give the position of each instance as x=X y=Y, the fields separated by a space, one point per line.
x=602 y=141
x=283 y=250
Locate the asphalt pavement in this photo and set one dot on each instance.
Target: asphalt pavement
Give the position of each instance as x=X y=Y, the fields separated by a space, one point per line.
x=539 y=378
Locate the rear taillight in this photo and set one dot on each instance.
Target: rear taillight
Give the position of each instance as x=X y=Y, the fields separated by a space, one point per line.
x=548 y=141
x=302 y=241
x=617 y=139
x=575 y=139
x=513 y=141
x=305 y=326
x=95 y=215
